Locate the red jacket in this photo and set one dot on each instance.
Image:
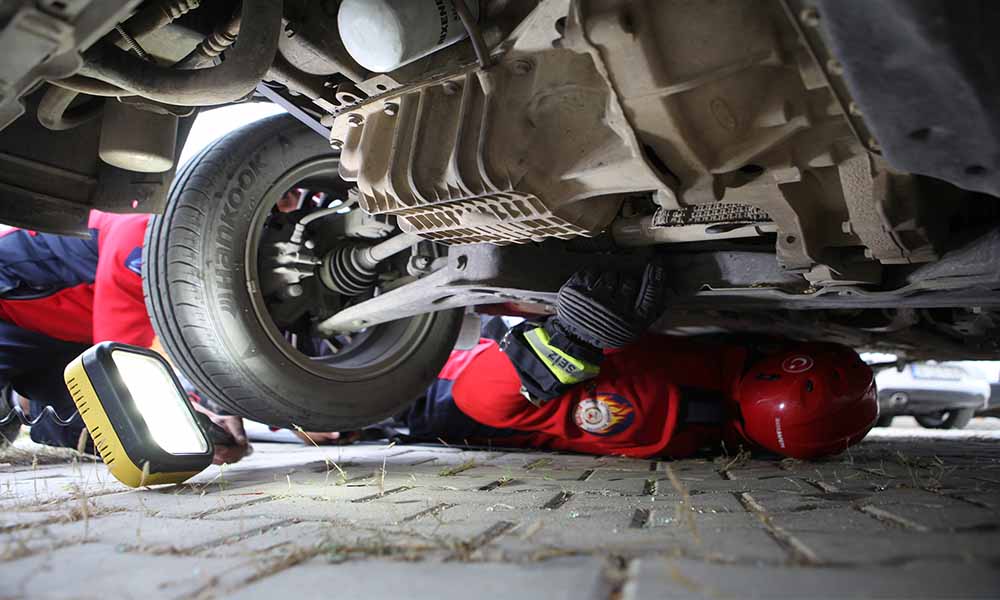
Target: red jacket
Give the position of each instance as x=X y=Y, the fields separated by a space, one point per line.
x=85 y=290
x=631 y=408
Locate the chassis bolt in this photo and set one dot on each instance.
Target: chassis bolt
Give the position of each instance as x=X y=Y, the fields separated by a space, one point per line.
x=421 y=262
x=336 y=144
x=309 y=244
x=390 y=109
x=355 y=120
x=834 y=67
x=294 y=291
x=450 y=88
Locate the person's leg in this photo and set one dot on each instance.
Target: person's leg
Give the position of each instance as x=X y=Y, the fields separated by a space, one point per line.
x=56 y=421
x=435 y=416
x=33 y=363
x=10 y=420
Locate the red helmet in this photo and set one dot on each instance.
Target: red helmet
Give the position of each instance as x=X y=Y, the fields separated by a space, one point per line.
x=807 y=400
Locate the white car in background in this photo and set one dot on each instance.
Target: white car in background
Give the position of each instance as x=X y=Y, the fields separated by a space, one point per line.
x=937 y=395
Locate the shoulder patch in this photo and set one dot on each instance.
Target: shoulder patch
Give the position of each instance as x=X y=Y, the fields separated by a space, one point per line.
x=604 y=414
x=133 y=262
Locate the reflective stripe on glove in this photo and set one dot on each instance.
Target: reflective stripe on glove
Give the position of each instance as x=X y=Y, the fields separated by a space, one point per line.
x=567 y=369
x=545 y=371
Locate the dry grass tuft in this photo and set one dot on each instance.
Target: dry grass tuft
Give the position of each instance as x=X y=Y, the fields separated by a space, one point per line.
x=742 y=457
x=451 y=471
x=36 y=455
x=330 y=464
x=685 y=511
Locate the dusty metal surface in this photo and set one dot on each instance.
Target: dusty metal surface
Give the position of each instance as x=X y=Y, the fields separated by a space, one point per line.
x=896 y=517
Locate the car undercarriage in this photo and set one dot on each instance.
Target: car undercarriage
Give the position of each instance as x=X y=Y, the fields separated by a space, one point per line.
x=822 y=169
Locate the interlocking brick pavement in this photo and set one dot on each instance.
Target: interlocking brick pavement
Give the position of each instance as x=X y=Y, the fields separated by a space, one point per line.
x=898 y=516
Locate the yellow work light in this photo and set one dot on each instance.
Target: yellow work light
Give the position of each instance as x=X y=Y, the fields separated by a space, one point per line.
x=138 y=415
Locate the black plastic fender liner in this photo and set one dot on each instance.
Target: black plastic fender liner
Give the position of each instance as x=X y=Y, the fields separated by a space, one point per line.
x=926 y=78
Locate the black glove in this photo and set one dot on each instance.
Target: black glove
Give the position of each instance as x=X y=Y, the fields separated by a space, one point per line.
x=610 y=309
x=545 y=370
x=593 y=312
x=216 y=433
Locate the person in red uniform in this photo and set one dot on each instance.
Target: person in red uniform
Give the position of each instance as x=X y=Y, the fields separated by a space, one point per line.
x=58 y=296
x=589 y=379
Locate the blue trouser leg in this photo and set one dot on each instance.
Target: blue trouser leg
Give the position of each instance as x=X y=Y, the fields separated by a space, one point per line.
x=33 y=364
x=435 y=415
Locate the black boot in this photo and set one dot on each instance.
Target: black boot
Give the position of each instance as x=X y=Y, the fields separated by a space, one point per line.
x=10 y=422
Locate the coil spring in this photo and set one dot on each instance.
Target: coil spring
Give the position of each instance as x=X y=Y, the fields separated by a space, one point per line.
x=132 y=43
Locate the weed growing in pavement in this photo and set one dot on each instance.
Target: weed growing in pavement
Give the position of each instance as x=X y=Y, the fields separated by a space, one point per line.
x=685 y=511
x=17 y=547
x=790 y=464
x=330 y=464
x=35 y=457
x=742 y=458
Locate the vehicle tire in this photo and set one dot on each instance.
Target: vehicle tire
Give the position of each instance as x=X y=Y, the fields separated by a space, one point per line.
x=951 y=419
x=884 y=421
x=200 y=282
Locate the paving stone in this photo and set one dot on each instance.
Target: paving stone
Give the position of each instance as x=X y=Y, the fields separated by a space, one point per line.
x=667 y=577
x=325 y=510
x=941 y=513
x=527 y=523
x=166 y=504
x=809 y=499
x=570 y=579
x=155 y=534
x=294 y=539
x=841 y=520
x=899 y=547
x=12 y=519
x=54 y=484
x=25 y=542
x=102 y=571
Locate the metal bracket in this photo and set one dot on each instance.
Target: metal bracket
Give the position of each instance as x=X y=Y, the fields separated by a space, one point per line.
x=293 y=110
x=479 y=274
x=44 y=44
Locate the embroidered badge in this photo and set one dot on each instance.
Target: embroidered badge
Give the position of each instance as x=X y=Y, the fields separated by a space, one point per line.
x=604 y=414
